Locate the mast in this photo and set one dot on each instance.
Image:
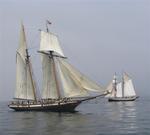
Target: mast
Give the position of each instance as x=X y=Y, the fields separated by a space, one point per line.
x=54 y=65
x=55 y=75
x=47 y=22
x=115 y=85
x=29 y=64
x=122 y=86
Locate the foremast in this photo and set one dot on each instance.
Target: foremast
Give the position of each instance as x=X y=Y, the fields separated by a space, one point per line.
x=115 y=85
x=31 y=74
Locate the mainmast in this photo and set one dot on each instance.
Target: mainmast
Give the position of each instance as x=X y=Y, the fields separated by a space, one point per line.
x=55 y=74
x=54 y=65
x=48 y=47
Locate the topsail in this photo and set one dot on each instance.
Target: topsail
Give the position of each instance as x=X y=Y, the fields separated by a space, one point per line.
x=49 y=42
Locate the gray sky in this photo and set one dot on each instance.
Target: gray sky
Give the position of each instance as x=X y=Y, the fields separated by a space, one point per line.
x=100 y=37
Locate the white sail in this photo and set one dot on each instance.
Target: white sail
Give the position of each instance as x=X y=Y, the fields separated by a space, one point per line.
x=49 y=83
x=21 y=51
x=49 y=42
x=24 y=82
x=128 y=86
x=71 y=87
x=80 y=79
x=119 y=89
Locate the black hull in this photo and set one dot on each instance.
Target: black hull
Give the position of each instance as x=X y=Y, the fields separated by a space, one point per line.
x=122 y=99
x=65 y=107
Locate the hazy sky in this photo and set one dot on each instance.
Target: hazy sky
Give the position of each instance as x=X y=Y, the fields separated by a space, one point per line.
x=100 y=37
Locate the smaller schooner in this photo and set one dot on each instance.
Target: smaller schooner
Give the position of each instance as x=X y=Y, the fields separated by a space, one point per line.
x=121 y=91
x=64 y=87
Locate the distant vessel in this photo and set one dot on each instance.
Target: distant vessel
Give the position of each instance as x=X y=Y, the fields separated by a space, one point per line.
x=121 y=91
x=64 y=87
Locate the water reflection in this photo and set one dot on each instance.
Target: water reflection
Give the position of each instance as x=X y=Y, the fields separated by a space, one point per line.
x=124 y=115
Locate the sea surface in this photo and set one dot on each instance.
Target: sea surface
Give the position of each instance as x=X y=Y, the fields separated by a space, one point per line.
x=97 y=117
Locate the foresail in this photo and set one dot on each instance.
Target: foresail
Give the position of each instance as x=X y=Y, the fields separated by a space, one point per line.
x=24 y=83
x=49 y=89
x=49 y=42
x=128 y=86
x=80 y=79
x=20 y=92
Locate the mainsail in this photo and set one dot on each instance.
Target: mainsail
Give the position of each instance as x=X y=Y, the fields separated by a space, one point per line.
x=24 y=82
x=61 y=79
x=49 y=83
x=128 y=86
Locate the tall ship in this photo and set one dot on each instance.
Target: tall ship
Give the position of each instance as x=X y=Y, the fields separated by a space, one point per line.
x=121 y=91
x=63 y=87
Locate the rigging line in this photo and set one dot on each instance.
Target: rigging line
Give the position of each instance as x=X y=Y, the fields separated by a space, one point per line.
x=33 y=41
x=76 y=58
x=82 y=74
x=34 y=47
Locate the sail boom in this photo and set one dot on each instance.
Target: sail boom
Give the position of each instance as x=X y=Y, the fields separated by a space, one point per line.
x=23 y=99
x=54 y=55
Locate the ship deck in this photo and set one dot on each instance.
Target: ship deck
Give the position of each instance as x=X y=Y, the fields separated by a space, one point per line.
x=67 y=106
x=119 y=99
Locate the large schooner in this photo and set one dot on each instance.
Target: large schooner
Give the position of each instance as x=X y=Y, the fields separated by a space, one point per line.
x=121 y=91
x=64 y=87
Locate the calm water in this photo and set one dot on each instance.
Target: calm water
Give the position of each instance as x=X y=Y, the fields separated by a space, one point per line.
x=98 y=117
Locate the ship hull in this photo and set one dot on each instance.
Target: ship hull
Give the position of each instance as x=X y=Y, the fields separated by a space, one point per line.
x=55 y=107
x=119 y=99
